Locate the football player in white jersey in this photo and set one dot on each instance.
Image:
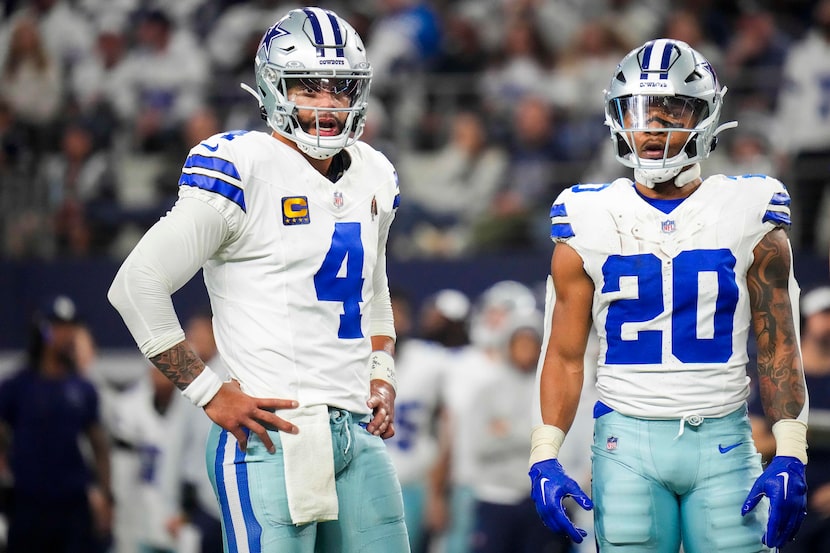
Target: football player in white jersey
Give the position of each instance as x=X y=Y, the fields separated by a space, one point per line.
x=290 y=229
x=673 y=270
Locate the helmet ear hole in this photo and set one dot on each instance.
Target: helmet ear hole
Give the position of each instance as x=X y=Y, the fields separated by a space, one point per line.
x=691 y=148
x=623 y=149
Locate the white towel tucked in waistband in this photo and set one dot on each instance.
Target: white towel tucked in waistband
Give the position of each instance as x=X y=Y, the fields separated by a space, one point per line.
x=309 y=466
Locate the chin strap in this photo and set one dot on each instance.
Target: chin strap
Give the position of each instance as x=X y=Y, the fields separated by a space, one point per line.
x=687 y=176
x=651 y=177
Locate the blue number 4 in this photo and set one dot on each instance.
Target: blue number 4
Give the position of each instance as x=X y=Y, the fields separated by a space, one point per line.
x=346 y=287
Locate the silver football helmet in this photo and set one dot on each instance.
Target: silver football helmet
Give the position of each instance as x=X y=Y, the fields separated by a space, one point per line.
x=316 y=50
x=671 y=75
x=498 y=306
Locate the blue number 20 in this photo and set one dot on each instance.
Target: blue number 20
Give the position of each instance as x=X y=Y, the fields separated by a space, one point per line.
x=686 y=345
x=348 y=287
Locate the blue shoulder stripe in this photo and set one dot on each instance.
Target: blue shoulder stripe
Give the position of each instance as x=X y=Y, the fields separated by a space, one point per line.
x=212 y=163
x=558 y=210
x=226 y=189
x=777 y=217
x=561 y=230
x=396 y=202
x=780 y=198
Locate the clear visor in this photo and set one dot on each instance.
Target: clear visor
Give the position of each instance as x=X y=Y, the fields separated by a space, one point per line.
x=346 y=88
x=650 y=112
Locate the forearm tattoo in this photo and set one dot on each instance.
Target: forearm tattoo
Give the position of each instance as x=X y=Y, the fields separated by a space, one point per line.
x=179 y=364
x=780 y=379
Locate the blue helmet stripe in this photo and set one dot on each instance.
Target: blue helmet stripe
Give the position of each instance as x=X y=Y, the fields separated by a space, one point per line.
x=338 y=35
x=212 y=163
x=664 y=61
x=646 y=60
x=223 y=188
x=316 y=29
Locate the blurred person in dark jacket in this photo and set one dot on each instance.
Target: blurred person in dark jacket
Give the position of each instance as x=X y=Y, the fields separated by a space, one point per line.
x=59 y=503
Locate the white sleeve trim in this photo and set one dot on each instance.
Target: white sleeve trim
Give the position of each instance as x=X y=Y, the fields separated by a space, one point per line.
x=166 y=258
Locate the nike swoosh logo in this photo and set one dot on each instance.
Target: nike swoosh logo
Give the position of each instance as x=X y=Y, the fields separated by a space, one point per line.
x=786 y=477
x=542 y=483
x=728 y=448
x=212 y=148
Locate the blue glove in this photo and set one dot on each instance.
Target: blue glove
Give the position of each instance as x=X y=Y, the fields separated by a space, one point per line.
x=549 y=486
x=783 y=483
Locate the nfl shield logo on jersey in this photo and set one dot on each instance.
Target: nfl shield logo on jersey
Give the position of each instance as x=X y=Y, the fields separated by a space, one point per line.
x=338 y=199
x=668 y=226
x=611 y=443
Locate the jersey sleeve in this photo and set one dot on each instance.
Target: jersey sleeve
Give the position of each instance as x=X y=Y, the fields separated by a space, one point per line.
x=381 y=322
x=561 y=229
x=212 y=173
x=777 y=212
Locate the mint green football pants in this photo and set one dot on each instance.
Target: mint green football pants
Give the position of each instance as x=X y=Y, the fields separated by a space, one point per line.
x=250 y=488
x=654 y=486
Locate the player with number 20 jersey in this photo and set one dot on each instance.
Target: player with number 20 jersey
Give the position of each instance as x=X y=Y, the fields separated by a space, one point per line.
x=671 y=289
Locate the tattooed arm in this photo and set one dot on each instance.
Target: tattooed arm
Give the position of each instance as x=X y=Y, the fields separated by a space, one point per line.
x=230 y=408
x=168 y=256
x=780 y=374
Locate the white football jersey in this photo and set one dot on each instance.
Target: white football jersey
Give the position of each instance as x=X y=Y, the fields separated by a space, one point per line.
x=157 y=438
x=290 y=285
x=469 y=369
x=671 y=305
x=420 y=368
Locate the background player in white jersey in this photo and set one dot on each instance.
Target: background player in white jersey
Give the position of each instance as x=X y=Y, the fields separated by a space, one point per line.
x=672 y=270
x=420 y=366
x=290 y=229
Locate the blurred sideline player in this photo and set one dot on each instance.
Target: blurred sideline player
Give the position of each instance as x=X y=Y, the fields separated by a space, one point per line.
x=672 y=270
x=50 y=414
x=151 y=419
x=420 y=366
x=452 y=500
x=505 y=517
x=290 y=229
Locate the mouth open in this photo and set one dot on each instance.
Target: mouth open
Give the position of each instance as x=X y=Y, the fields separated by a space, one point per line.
x=328 y=126
x=653 y=150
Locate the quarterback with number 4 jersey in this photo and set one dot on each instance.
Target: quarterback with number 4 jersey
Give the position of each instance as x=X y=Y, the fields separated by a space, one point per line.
x=673 y=271
x=290 y=228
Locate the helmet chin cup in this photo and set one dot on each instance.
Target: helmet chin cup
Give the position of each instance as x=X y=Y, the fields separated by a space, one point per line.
x=317 y=152
x=651 y=177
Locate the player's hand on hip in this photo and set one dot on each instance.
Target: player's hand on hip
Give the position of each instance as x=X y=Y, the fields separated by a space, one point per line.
x=382 y=403
x=783 y=483
x=234 y=410
x=549 y=486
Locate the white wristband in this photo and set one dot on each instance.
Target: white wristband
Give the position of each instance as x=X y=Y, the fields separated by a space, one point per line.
x=545 y=441
x=791 y=438
x=203 y=388
x=382 y=367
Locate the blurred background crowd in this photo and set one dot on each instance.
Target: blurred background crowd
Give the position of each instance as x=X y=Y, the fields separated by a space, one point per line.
x=488 y=108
